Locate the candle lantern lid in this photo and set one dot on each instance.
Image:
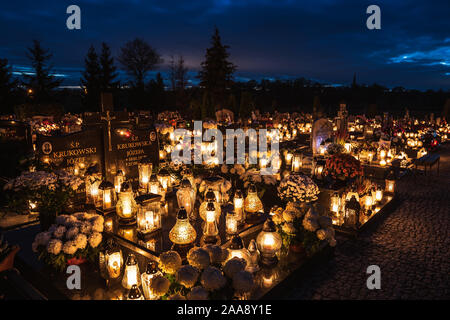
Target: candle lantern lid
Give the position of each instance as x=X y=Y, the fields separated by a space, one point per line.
x=269 y=226
x=111 y=246
x=147 y=198
x=182 y=213
x=152 y=267
x=153 y=178
x=238 y=194
x=185 y=183
x=125 y=187
x=134 y=293
x=145 y=160
x=210 y=206
x=210 y=196
x=131 y=260
x=390 y=175
x=252 y=188
x=120 y=173
x=105 y=185
x=236 y=243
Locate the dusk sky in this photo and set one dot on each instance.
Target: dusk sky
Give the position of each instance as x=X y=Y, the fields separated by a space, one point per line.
x=323 y=40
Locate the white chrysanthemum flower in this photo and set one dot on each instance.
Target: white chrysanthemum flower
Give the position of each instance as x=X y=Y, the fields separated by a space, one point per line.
x=54 y=246
x=71 y=233
x=97 y=223
x=278 y=218
x=52 y=228
x=289 y=216
x=95 y=239
x=43 y=238
x=198 y=293
x=61 y=219
x=84 y=227
x=81 y=241
x=70 y=221
x=233 y=266
x=176 y=296
x=217 y=254
x=224 y=169
x=187 y=276
x=289 y=228
x=212 y=279
x=321 y=234
x=170 y=262
x=159 y=285
x=59 y=232
x=310 y=224
x=70 y=247
x=243 y=282
x=198 y=257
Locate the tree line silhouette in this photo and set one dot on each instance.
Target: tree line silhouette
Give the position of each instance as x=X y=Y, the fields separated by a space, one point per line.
x=38 y=92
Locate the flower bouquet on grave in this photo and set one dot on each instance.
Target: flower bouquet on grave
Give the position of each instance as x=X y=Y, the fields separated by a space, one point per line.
x=73 y=239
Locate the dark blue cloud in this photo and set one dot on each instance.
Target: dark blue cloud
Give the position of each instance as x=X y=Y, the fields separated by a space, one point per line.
x=325 y=39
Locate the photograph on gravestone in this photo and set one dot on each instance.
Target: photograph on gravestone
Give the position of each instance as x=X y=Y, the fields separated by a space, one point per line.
x=16 y=144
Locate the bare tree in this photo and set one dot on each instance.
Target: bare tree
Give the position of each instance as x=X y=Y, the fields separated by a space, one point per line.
x=137 y=58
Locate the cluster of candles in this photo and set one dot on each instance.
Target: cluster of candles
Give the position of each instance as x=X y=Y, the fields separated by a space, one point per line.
x=265 y=249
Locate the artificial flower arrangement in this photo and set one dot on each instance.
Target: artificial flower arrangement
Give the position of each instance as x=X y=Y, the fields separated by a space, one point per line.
x=302 y=229
x=298 y=188
x=72 y=239
x=209 y=274
x=343 y=167
x=50 y=190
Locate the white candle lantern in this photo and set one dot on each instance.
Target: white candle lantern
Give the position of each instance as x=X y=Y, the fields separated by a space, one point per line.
x=131 y=274
x=269 y=243
x=126 y=205
x=148 y=213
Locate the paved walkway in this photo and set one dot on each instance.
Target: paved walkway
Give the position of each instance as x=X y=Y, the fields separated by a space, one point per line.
x=411 y=245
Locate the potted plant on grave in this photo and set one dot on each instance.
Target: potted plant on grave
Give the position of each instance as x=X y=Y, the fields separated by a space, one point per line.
x=71 y=240
x=342 y=167
x=51 y=191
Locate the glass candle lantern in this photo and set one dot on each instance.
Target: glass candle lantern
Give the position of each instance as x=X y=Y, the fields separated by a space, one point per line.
x=182 y=233
x=155 y=187
x=238 y=202
x=335 y=203
x=352 y=211
x=379 y=194
x=107 y=194
x=210 y=230
x=186 y=198
x=131 y=274
x=113 y=260
x=145 y=171
x=318 y=167
x=93 y=179
x=288 y=158
x=119 y=178
x=390 y=183
x=231 y=223
x=252 y=203
x=297 y=162
x=237 y=249
x=146 y=278
x=126 y=205
x=210 y=196
x=135 y=293
x=269 y=243
x=164 y=178
x=148 y=213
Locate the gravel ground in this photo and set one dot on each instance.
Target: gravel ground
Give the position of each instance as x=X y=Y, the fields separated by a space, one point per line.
x=411 y=245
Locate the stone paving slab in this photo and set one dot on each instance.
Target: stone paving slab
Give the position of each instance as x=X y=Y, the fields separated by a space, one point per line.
x=411 y=245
